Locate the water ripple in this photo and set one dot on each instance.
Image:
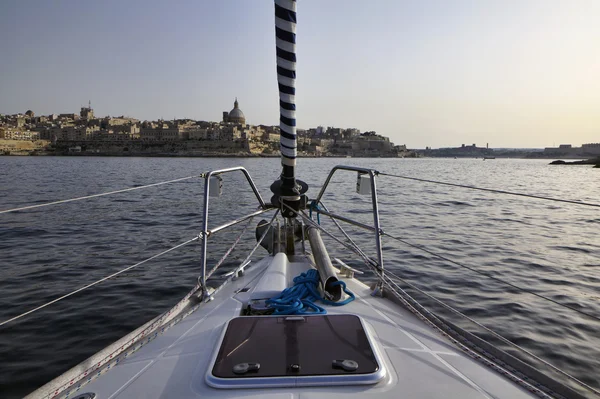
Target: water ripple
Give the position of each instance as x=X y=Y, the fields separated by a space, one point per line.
x=548 y=248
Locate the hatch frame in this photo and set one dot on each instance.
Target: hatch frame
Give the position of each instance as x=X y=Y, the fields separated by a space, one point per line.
x=288 y=381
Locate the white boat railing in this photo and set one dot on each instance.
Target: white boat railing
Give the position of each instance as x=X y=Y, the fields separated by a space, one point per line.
x=203 y=236
x=205 y=233
x=521 y=372
x=102 y=361
x=388 y=280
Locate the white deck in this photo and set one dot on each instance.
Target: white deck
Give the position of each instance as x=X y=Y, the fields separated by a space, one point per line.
x=420 y=363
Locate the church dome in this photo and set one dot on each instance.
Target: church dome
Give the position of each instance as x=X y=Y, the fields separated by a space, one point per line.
x=236 y=115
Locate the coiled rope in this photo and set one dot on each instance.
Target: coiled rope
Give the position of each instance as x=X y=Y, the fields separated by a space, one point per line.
x=301 y=297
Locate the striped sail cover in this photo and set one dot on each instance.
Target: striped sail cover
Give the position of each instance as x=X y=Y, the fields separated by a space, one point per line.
x=285 y=32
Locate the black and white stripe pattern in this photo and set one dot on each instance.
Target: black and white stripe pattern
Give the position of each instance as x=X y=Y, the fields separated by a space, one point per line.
x=285 y=32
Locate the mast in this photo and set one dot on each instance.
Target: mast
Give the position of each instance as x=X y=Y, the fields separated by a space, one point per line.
x=288 y=191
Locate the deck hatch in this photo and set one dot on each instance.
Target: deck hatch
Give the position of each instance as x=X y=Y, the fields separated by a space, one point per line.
x=293 y=351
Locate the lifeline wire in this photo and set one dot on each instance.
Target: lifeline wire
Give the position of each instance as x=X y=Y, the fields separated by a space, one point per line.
x=369 y=262
x=235 y=243
x=97 y=195
x=246 y=260
x=503 y=339
x=363 y=255
x=390 y=281
x=353 y=248
x=491 y=190
x=421 y=248
x=85 y=287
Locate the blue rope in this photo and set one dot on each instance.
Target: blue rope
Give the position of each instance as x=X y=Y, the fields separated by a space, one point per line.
x=301 y=297
x=346 y=291
x=314 y=205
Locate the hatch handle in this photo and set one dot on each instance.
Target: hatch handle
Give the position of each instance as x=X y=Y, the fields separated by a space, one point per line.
x=346 y=364
x=243 y=368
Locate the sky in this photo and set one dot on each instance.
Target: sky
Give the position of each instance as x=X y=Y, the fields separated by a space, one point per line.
x=438 y=73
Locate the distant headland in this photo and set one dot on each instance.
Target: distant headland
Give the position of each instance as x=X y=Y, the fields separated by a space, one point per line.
x=591 y=161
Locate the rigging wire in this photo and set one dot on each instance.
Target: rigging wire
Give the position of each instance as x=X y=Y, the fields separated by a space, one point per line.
x=491 y=190
x=395 y=285
x=354 y=248
x=97 y=195
x=85 y=287
x=235 y=243
x=442 y=326
x=246 y=260
x=421 y=248
x=352 y=245
x=495 y=334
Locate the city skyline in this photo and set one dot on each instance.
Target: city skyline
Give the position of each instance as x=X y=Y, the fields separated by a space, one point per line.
x=514 y=74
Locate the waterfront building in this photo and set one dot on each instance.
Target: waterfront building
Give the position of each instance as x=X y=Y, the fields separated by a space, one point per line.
x=213 y=134
x=127 y=131
x=161 y=131
x=322 y=141
x=562 y=150
x=188 y=130
x=271 y=137
x=17 y=134
x=68 y=116
x=198 y=133
x=230 y=133
x=252 y=132
x=149 y=131
x=114 y=135
x=591 y=149
x=168 y=132
x=462 y=151
x=73 y=133
x=235 y=115
x=118 y=121
x=87 y=113
x=378 y=144
x=351 y=133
